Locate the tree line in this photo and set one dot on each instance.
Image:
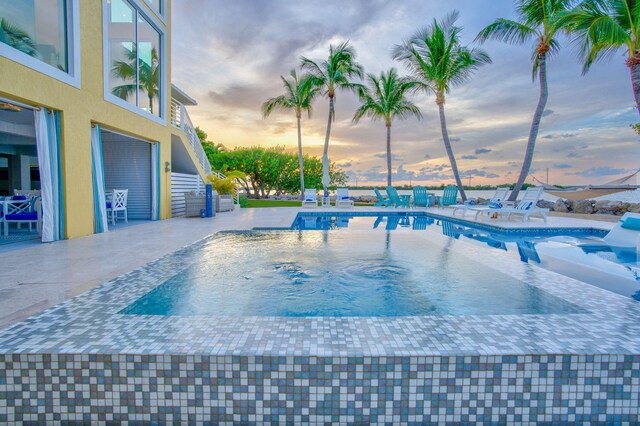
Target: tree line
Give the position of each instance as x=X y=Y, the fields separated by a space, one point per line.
x=270 y=171
x=437 y=61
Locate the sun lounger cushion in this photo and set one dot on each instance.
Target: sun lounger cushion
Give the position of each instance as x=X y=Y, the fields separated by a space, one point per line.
x=19 y=197
x=495 y=205
x=632 y=223
x=470 y=203
x=23 y=216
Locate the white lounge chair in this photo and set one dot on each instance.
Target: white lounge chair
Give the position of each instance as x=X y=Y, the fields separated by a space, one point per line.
x=342 y=198
x=526 y=207
x=499 y=197
x=626 y=233
x=310 y=198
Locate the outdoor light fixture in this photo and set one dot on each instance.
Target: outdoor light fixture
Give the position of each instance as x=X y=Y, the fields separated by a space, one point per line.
x=167 y=166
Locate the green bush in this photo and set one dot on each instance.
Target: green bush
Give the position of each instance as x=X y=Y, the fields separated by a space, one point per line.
x=244 y=201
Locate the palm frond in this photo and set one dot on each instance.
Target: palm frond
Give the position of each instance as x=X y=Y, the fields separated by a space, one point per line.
x=506 y=30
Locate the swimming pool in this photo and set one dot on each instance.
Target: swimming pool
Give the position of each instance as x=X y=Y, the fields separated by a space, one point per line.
x=339 y=274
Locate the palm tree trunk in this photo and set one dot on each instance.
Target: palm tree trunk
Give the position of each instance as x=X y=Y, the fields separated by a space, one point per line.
x=151 y=104
x=300 y=159
x=326 y=138
x=635 y=81
x=447 y=146
x=535 y=125
x=389 y=155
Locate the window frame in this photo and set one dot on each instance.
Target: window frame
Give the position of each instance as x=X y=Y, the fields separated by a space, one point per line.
x=72 y=75
x=160 y=13
x=156 y=25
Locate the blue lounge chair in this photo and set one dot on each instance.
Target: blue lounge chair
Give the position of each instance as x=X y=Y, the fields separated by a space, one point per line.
x=394 y=198
x=382 y=202
x=449 y=197
x=420 y=197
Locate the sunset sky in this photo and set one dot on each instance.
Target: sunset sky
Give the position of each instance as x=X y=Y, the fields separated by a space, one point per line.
x=229 y=56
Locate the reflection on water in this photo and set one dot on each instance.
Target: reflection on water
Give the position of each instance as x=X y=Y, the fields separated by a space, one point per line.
x=566 y=254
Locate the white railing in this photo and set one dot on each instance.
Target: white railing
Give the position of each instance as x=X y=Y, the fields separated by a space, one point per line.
x=180 y=119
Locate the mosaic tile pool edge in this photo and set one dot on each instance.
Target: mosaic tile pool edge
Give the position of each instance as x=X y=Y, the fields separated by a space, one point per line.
x=46 y=388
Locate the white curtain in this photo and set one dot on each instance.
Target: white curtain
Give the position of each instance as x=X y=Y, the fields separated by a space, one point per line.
x=100 y=223
x=48 y=145
x=155 y=181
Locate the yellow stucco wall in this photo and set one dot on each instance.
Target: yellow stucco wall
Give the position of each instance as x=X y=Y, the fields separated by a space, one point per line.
x=86 y=105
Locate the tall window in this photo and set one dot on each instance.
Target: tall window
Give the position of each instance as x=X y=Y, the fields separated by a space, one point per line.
x=37 y=28
x=135 y=57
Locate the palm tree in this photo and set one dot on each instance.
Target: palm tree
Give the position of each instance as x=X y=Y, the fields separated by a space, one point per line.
x=148 y=75
x=331 y=74
x=538 y=20
x=385 y=98
x=438 y=61
x=298 y=96
x=603 y=26
x=17 y=38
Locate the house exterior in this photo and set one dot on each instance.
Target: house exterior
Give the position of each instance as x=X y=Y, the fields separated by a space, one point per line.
x=101 y=70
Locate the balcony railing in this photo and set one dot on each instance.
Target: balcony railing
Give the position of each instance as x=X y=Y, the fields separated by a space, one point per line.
x=180 y=119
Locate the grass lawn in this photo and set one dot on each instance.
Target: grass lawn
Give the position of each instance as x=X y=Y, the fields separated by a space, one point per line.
x=254 y=204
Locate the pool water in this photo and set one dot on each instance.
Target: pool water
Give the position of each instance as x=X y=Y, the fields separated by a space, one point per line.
x=340 y=273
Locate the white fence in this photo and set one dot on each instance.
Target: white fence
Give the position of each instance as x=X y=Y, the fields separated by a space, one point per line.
x=181 y=183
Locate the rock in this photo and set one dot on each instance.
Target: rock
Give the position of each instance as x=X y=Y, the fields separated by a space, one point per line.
x=544 y=204
x=561 y=206
x=634 y=207
x=584 y=206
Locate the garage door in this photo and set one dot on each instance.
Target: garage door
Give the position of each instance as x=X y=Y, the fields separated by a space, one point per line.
x=127 y=165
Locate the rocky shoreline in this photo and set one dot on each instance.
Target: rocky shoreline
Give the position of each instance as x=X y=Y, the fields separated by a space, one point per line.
x=617 y=208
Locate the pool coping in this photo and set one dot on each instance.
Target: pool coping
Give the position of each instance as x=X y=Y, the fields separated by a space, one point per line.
x=89 y=323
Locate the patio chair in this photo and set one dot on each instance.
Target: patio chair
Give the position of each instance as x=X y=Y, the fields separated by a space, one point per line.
x=626 y=233
x=526 y=207
x=449 y=196
x=499 y=197
x=20 y=210
x=310 y=198
x=382 y=202
x=420 y=197
x=342 y=198
x=394 y=198
x=117 y=204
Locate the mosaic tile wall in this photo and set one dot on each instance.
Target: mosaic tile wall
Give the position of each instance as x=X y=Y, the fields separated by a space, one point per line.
x=87 y=388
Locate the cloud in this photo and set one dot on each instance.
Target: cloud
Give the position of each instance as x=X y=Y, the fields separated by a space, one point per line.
x=344 y=165
x=479 y=173
x=600 y=172
x=455 y=139
x=547 y=112
x=560 y=136
x=383 y=155
x=480 y=151
x=469 y=157
x=563 y=166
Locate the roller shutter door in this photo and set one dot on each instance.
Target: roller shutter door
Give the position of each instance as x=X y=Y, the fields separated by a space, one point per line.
x=127 y=165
